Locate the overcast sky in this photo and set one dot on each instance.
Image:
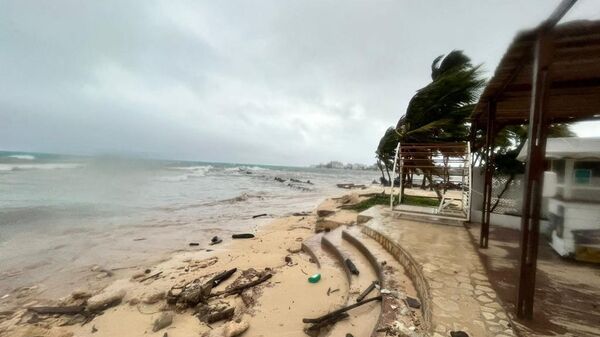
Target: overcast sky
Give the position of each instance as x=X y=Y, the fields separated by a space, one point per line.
x=276 y=82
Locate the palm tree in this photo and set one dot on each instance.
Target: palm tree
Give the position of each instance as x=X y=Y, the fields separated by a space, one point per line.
x=439 y=111
x=385 y=153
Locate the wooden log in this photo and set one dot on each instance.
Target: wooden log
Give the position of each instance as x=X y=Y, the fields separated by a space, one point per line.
x=64 y=310
x=242 y=287
x=341 y=310
x=259 y=215
x=367 y=291
x=329 y=321
x=219 y=278
x=242 y=236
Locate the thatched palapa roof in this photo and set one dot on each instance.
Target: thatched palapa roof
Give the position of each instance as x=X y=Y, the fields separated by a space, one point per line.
x=574 y=74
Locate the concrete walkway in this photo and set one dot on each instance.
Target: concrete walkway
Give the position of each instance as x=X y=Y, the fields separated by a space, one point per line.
x=446 y=270
x=567 y=298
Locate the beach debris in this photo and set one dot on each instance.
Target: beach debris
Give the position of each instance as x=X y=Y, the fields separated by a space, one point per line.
x=58 y=310
x=351 y=266
x=154 y=276
x=349 y=335
x=164 y=320
x=301 y=214
x=366 y=292
x=314 y=329
x=331 y=291
x=195 y=293
x=412 y=302
x=193 y=244
x=341 y=310
x=242 y=236
x=105 y=300
x=214 y=313
x=94 y=329
x=259 y=215
x=458 y=334
x=238 y=289
x=220 y=278
x=215 y=240
x=288 y=260
x=314 y=278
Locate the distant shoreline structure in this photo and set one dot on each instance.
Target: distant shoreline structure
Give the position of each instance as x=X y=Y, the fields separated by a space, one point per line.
x=348 y=166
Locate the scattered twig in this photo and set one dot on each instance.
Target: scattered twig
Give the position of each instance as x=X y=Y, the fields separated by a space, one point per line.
x=242 y=287
x=339 y=311
x=151 y=276
x=367 y=291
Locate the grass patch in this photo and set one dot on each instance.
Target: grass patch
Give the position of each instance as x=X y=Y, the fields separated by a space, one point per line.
x=384 y=199
x=378 y=199
x=420 y=201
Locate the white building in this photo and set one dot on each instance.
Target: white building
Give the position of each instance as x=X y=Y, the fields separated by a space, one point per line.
x=573 y=192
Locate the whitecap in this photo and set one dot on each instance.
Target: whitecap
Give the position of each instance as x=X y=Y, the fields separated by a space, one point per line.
x=24 y=167
x=22 y=156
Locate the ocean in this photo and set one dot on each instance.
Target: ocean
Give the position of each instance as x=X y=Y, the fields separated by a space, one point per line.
x=61 y=215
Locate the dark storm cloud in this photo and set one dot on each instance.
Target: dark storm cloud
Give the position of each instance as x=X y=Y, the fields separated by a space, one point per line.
x=287 y=82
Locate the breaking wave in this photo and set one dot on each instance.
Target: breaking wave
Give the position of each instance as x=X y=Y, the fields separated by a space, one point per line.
x=192 y=172
x=22 y=156
x=245 y=169
x=23 y=167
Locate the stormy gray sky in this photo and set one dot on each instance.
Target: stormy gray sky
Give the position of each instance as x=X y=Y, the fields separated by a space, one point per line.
x=278 y=82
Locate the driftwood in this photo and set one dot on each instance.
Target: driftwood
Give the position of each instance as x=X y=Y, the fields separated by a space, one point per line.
x=329 y=321
x=196 y=293
x=242 y=287
x=64 y=310
x=242 y=236
x=259 y=215
x=219 y=278
x=151 y=276
x=341 y=310
x=367 y=291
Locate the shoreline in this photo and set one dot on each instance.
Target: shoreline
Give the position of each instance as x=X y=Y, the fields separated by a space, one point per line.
x=277 y=239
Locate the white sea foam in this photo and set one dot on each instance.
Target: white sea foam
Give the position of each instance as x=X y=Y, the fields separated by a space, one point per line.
x=23 y=167
x=194 y=172
x=22 y=156
x=245 y=168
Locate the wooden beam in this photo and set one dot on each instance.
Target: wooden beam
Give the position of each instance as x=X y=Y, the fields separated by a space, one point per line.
x=489 y=169
x=534 y=175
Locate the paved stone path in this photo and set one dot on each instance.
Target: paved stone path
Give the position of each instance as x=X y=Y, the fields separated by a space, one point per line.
x=446 y=270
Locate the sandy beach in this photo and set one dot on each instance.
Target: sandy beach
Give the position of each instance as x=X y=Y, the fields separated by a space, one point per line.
x=136 y=302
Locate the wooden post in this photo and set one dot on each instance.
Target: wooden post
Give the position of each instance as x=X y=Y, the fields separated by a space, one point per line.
x=489 y=170
x=534 y=174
